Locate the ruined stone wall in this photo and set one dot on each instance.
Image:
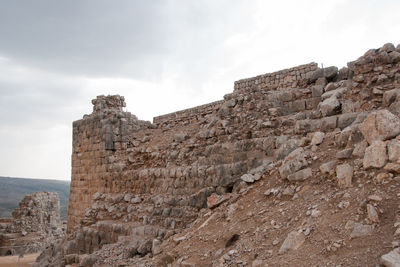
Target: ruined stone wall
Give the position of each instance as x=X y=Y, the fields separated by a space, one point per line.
x=158 y=176
x=186 y=115
x=35 y=221
x=293 y=77
x=37 y=212
x=97 y=138
x=376 y=73
x=113 y=152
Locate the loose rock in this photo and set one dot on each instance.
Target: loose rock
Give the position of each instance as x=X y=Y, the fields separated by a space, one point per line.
x=292 y=242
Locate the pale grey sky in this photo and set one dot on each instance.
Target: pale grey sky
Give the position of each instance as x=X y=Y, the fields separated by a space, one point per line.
x=162 y=55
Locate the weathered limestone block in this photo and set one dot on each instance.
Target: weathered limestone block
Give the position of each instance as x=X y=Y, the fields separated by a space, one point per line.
x=344 y=173
x=328 y=167
x=300 y=175
x=293 y=241
x=330 y=106
x=317 y=138
x=391 y=259
x=375 y=155
x=380 y=125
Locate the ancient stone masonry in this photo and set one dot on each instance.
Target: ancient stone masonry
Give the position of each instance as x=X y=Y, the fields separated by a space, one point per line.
x=187 y=115
x=138 y=183
x=98 y=140
x=186 y=155
x=288 y=78
x=35 y=222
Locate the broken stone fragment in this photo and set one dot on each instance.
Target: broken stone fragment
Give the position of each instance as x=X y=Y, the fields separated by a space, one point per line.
x=344 y=173
x=345 y=153
x=372 y=213
x=359 y=229
x=300 y=175
x=391 y=259
x=292 y=242
x=375 y=198
x=328 y=167
x=248 y=178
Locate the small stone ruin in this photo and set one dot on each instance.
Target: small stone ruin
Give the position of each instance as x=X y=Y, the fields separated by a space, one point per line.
x=35 y=223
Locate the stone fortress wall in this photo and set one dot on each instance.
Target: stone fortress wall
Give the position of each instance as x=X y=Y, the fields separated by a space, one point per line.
x=142 y=179
x=293 y=77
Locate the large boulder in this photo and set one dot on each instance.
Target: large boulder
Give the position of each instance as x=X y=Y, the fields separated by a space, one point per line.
x=330 y=72
x=379 y=126
x=375 y=155
x=330 y=106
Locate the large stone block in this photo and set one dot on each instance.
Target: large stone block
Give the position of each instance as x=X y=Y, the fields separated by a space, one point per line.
x=380 y=125
x=330 y=106
x=375 y=155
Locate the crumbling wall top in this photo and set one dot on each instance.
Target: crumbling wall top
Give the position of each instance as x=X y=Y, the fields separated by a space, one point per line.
x=107 y=103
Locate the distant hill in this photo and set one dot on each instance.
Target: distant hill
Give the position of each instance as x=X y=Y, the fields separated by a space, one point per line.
x=13 y=190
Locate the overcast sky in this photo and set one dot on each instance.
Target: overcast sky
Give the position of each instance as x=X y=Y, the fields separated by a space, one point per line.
x=55 y=56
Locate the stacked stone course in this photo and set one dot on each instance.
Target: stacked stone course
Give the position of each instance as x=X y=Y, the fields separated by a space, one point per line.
x=293 y=77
